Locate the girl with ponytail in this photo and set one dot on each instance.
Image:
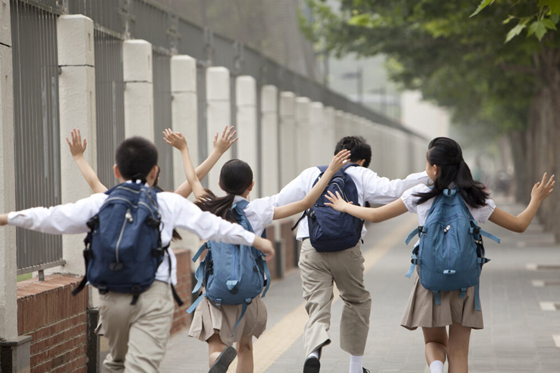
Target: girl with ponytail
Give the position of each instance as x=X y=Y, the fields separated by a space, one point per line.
x=447 y=169
x=215 y=324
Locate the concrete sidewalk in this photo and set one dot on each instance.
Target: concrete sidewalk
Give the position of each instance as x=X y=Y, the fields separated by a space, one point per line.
x=519 y=303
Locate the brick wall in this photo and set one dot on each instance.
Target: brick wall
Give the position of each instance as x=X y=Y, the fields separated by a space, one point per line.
x=56 y=320
x=184 y=287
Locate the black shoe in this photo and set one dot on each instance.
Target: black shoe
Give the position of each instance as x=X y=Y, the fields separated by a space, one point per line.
x=312 y=365
x=365 y=370
x=224 y=360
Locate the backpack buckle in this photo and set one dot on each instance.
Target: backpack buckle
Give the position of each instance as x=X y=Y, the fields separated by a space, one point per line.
x=102 y=289
x=93 y=222
x=156 y=253
x=153 y=223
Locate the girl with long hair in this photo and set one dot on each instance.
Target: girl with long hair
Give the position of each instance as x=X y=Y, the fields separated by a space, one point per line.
x=447 y=169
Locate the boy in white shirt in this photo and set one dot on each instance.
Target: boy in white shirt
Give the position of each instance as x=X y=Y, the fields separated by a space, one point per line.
x=345 y=268
x=138 y=334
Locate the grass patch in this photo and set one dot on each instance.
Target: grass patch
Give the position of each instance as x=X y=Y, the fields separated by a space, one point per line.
x=25 y=276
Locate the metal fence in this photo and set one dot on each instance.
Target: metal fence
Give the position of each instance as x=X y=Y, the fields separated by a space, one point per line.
x=36 y=92
x=36 y=125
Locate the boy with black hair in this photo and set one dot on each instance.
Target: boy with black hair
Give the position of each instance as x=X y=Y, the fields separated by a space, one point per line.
x=345 y=268
x=138 y=334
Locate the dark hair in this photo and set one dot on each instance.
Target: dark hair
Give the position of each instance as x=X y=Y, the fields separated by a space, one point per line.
x=235 y=177
x=136 y=157
x=447 y=155
x=359 y=149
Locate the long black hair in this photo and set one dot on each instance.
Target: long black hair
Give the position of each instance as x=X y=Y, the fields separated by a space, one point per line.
x=235 y=177
x=447 y=155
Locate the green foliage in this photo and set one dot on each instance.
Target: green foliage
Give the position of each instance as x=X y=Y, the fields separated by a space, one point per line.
x=455 y=58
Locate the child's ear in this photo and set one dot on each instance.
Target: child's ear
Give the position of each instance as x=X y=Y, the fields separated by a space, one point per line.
x=153 y=175
x=220 y=185
x=251 y=186
x=117 y=172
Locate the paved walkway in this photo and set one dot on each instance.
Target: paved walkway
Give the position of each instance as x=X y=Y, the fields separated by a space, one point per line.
x=520 y=314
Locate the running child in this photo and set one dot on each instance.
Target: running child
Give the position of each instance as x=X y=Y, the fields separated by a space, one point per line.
x=215 y=324
x=447 y=170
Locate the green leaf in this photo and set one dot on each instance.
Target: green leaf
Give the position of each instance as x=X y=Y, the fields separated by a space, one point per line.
x=555 y=18
x=483 y=4
x=553 y=5
x=548 y=24
x=361 y=20
x=538 y=28
x=509 y=18
x=515 y=31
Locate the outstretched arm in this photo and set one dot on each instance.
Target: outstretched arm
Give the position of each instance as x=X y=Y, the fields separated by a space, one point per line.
x=374 y=215
x=178 y=141
x=77 y=148
x=296 y=207
x=221 y=145
x=519 y=223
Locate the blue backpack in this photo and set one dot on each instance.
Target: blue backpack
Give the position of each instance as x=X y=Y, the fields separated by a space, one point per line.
x=331 y=230
x=123 y=249
x=231 y=274
x=450 y=254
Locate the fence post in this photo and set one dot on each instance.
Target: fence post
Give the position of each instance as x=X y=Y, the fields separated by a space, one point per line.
x=76 y=84
x=14 y=349
x=246 y=100
x=184 y=108
x=316 y=133
x=269 y=139
x=303 y=134
x=138 y=93
x=218 y=116
x=288 y=143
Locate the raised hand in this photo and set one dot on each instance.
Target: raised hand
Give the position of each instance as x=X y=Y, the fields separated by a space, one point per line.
x=175 y=139
x=77 y=147
x=265 y=246
x=337 y=202
x=339 y=160
x=226 y=140
x=543 y=188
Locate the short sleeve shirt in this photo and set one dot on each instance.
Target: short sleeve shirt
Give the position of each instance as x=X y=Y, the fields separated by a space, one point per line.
x=259 y=212
x=480 y=214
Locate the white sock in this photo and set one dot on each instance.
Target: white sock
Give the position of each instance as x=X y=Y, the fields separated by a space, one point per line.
x=436 y=367
x=314 y=354
x=355 y=364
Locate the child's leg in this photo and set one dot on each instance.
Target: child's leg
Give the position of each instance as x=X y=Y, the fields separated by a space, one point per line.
x=458 y=348
x=215 y=348
x=245 y=354
x=436 y=344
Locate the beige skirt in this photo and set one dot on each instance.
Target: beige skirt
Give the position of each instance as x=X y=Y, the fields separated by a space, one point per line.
x=209 y=319
x=423 y=311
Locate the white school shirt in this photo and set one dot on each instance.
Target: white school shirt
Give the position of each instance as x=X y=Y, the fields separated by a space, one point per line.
x=371 y=188
x=259 y=212
x=480 y=214
x=175 y=211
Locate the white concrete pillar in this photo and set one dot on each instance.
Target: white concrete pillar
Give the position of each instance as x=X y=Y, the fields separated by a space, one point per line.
x=288 y=138
x=184 y=111
x=247 y=148
x=303 y=134
x=270 y=156
x=76 y=87
x=218 y=116
x=329 y=139
x=139 y=92
x=339 y=124
x=8 y=263
x=316 y=133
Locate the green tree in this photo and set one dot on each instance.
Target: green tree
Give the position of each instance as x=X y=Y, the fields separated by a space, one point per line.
x=496 y=66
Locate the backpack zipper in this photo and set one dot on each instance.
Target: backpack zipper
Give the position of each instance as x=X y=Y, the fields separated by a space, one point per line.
x=127 y=218
x=234 y=263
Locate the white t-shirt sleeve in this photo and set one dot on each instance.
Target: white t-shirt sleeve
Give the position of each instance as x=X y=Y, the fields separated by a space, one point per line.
x=261 y=213
x=481 y=214
x=410 y=200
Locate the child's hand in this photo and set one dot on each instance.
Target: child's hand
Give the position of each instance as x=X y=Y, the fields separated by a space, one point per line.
x=265 y=246
x=175 y=139
x=77 y=148
x=339 y=160
x=337 y=202
x=222 y=144
x=543 y=188
x=3 y=219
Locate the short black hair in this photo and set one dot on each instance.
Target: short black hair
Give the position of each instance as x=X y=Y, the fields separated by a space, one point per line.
x=358 y=146
x=136 y=156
